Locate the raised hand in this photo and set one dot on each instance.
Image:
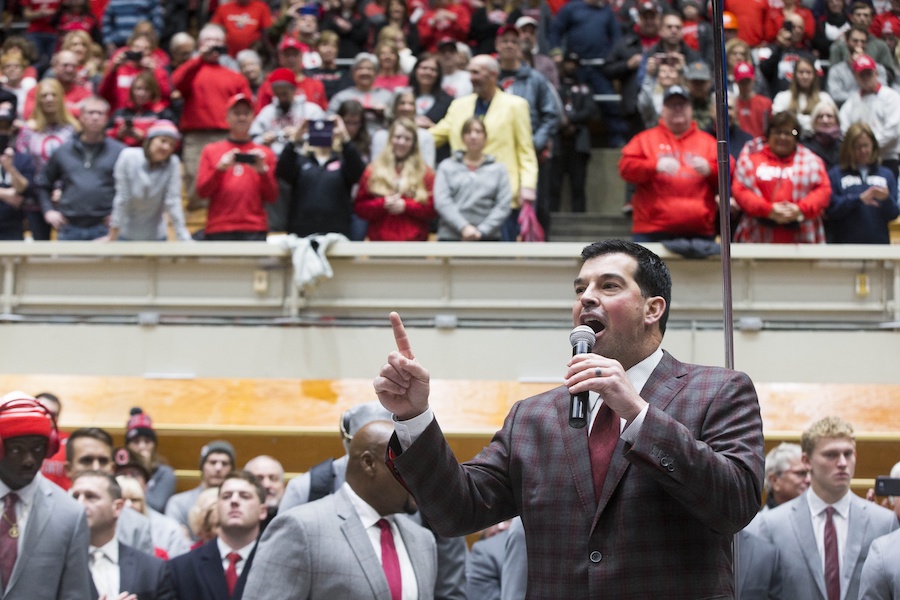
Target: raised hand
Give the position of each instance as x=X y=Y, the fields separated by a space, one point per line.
x=402 y=385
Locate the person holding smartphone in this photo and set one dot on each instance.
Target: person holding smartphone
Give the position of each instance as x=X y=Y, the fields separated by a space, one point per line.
x=237 y=176
x=320 y=176
x=124 y=66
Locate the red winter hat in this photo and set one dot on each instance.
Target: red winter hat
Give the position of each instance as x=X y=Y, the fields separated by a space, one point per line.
x=139 y=424
x=283 y=75
x=21 y=414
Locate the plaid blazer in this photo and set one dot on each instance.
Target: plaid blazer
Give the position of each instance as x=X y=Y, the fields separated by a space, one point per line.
x=670 y=505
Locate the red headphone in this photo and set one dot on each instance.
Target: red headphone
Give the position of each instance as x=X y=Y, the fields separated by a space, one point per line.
x=26 y=403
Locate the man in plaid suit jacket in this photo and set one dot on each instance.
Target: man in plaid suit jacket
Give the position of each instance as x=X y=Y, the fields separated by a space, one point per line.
x=684 y=477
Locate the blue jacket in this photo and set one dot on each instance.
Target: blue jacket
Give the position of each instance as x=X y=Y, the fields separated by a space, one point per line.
x=849 y=221
x=590 y=30
x=544 y=106
x=121 y=16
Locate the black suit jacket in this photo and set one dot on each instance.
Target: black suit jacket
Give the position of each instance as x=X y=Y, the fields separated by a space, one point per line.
x=143 y=575
x=198 y=575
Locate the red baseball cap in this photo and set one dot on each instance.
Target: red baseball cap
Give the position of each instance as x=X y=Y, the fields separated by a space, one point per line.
x=283 y=75
x=237 y=99
x=508 y=28
x=290 y=43
x=863 y=62
x=743 y=70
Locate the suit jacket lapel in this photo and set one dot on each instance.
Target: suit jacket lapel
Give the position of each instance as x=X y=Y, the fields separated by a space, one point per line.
x=664 y=384
x=127 y=570
x=37 y=521
x=801 y=521
x=857 y=529
x=211 y=568
x=359 y=543
x=578 y=455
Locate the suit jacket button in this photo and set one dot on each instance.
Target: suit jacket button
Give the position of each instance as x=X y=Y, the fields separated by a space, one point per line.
x=596 y=556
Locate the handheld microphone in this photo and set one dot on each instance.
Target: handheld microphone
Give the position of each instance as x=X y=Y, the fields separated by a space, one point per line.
x=582 y=340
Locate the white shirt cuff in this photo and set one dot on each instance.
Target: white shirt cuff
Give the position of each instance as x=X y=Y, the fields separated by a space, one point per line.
x=630 y=433
x=409 y=431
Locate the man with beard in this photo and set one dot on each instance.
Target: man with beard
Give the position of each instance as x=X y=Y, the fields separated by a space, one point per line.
x=350 y=544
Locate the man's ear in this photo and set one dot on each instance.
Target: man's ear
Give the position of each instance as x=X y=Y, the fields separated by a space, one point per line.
x=654 y=308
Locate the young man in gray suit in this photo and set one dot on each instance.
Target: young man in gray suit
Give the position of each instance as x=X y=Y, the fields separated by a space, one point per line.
x=818 y=559
x=880 y=578
x=350 y=544
x=44 y=555
x=115 y=567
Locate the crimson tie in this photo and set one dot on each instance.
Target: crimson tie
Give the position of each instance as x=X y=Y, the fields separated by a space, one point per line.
x=602 y=443
x=9 y=538
x=389 y=560
x=832 y=565
x=231 y=575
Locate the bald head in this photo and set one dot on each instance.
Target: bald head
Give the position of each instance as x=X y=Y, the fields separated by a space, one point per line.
x=369 y=476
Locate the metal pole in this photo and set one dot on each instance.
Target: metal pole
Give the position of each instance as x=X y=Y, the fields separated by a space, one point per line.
x=720 y=81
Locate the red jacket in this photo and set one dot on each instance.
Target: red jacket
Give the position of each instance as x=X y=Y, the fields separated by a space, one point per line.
x=236 y=196
x=207 y=88
x=775 y=19
x=412 y=225
x=115 y=86
x=681 y=204
x=431 y=31
x=313 y=89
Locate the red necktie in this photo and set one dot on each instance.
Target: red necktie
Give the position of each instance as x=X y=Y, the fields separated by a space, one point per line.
x=389 y=560
x=602 y=443
x=231 y=575
x=832 y=565
x=9 y=538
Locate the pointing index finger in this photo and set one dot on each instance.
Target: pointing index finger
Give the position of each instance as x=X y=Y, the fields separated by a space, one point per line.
x=400 y=336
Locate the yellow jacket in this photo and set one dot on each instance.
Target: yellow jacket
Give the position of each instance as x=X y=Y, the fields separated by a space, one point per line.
x=508 y=126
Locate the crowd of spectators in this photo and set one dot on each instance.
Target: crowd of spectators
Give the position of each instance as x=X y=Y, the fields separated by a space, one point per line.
x=588 y=72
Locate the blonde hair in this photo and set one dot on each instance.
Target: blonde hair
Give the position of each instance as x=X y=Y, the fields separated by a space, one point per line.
x=131 y=488
x=203 y=517
x=78 y=34
x=62 y=116
x=385 y=179
x=829 y=427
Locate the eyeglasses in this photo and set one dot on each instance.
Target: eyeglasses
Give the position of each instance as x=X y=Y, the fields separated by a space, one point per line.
x=801 y=473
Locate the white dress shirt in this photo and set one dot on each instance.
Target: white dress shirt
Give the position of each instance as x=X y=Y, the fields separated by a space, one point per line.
x=225 y=550
x=841 y=520
x=23 y=506
x=370 y=517
x=104 y=564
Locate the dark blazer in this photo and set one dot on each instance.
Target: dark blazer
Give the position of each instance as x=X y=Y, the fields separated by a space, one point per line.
x=143 y=575
x=663 y=525
x=198 y=575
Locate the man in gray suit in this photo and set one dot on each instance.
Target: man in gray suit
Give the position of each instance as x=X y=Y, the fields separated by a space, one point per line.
x=823 y=535
x=43 y=557
x=881 y=574
x=350 y=544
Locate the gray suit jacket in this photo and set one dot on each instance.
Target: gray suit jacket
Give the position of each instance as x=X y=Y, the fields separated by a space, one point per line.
x=758 y=567
x=321 y=550
x=789 y=528
x=881 y=574
x=53 y=556
x=133 y=529
x=180 y=505
x=484 y=566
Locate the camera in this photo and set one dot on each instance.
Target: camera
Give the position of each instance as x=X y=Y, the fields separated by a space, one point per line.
x=788 y=26
x=321 y=133
x=245 y=158
x=887 y=486
x=129 y=123
x=221 y=49
x=134 y=55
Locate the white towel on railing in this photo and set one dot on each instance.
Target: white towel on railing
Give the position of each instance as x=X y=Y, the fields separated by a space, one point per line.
x=308 y=256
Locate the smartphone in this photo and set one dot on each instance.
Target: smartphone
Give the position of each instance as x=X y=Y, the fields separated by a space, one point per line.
x=134 y=55
x=220 y=49
x=4 y=141
x=887 y=486
x=129 y=123
x=321 y=133
x=245 y=158
x=788 y=26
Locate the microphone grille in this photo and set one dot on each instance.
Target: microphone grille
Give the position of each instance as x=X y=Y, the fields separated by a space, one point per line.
x=582 y=333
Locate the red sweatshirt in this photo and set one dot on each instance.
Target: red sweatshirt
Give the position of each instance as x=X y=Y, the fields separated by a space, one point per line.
x=412 y=225
x=236 y=196
x=207 y=88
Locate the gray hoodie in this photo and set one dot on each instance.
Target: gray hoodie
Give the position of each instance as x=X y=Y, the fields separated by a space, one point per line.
x=462 y=197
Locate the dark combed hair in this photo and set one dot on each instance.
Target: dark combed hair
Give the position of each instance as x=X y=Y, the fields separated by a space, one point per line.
x=652 y=275
x=249 y=478
x=94 y=433
x=115 y=490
